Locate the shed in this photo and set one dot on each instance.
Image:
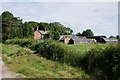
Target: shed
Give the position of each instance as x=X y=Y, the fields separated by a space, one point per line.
x=97 y=38
x=73 y=39
x=110 y=40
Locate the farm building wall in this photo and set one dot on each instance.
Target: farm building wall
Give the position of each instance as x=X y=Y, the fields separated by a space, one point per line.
x=38 y=35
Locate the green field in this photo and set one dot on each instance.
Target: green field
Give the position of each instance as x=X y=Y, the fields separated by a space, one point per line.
x=24 y=61
x=86 y=47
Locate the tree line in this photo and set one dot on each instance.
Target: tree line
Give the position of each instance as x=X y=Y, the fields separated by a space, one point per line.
x=87 y=32
x=13 y=27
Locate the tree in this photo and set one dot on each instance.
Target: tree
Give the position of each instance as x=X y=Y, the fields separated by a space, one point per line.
x=69 y=31
x=9 y=23
x=56 y=26
x=78 y=34
x=56 y=36
x=33 y=24
x=88 y=32
x=27 y=30
x=111 y=37
x=117 y=36
x=12 y=27
x=7 y=15
x=44 y=25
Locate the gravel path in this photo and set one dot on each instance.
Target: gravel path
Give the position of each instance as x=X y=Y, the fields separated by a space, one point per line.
x=5 y=72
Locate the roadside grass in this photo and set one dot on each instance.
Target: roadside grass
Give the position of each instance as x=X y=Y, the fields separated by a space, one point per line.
x=24 y=61
x=82 y=48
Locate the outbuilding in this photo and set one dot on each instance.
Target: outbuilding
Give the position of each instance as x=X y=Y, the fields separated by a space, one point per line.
x=73 y=39
x=109 y=40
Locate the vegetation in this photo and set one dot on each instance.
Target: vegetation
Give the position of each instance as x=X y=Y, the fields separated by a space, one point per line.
x=9 y=23
x=29 y=65
x=82 y=48
x=22 y=42
x=12 y=27
x=87 y=32
x=103 y=62
x=98 y=60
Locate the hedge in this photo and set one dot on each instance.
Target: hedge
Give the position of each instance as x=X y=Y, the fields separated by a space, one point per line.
x=57 y=51
x=104 y=63
x=22 y=42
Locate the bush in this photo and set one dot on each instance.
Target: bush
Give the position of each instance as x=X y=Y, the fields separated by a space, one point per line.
x=103 y=63
x=21 y=42
x=55 y=50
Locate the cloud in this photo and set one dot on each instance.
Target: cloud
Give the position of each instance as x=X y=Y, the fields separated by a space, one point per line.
x=100 y=17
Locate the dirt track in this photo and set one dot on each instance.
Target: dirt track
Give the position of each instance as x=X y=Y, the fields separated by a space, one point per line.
x=5 y=72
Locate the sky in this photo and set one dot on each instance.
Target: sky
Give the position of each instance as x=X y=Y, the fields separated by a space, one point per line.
x=99 y=16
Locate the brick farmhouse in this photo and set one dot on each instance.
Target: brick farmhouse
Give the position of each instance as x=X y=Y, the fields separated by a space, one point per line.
x=40 y=34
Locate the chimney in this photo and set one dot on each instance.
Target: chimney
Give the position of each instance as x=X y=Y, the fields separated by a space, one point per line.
x=32 y=29
x=44 y=29
x=37 y=28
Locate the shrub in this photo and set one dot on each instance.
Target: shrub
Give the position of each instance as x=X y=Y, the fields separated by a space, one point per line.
x=103 y=63
x=22 y=42
x=55 y=50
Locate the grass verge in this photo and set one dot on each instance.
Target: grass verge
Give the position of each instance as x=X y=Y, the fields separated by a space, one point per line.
x=24 y=61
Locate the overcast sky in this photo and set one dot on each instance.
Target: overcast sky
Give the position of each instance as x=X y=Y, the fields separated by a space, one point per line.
x=100 y=17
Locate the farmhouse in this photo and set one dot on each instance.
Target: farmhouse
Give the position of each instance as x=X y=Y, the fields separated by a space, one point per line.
x=40 y=34
x=73 y=39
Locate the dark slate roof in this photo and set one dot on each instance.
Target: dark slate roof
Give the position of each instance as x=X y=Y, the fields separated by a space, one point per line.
x=75 y=38
x=62 y=37
x=110 y=39
x=82 y=40
x=44 y=32
x=96 y=36
x=82 y=37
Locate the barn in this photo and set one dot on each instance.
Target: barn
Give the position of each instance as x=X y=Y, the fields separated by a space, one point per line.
x=109 y=40
x=73 y=39
x=99 y=39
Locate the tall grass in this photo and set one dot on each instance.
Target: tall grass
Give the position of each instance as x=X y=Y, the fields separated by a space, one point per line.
x=24 y=62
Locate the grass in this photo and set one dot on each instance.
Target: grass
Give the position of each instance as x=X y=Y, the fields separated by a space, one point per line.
x=24 y=61
x=85 y=47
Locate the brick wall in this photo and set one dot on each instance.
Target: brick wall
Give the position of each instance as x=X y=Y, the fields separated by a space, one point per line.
x=38 y=35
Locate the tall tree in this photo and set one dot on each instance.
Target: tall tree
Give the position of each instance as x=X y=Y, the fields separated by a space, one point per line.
x=117 y=36
x=9 y=23
x=88 y=32
x=56 y=36
x=112 y=37
x=43 y=25
x=27 y=30
x=56 y=26
x=78 y=34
